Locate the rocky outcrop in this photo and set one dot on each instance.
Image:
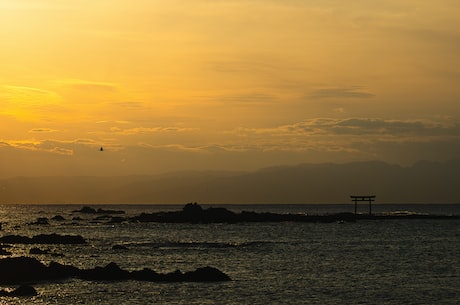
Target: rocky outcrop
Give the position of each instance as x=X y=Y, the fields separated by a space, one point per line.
x=90 y=210
x=21 y=270
x=58 y=218
x=194 y=213
x=119 y=247
x=21 y=291
x=43 y=239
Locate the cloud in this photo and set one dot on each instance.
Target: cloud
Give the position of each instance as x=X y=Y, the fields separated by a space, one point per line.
x=149 y=130
x=24 y=96
x=249 y=98
x=372 y=126
x=42 y=130
x=341 y=93
x=91 y=86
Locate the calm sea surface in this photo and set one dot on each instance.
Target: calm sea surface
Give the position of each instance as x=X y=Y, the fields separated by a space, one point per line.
x=367 y=262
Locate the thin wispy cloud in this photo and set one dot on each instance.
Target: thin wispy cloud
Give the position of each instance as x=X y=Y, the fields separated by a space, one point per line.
x=42 y=130
x=341 y=93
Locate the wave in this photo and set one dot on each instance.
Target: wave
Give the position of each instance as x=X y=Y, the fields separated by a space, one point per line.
x=199 y=245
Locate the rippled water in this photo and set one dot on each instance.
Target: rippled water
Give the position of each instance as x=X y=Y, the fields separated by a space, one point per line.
x=367 y=262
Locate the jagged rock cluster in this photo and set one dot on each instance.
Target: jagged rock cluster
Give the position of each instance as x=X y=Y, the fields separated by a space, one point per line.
x=23 y=270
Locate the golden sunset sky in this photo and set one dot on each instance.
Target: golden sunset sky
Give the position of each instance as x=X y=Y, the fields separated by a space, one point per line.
x=219 y=84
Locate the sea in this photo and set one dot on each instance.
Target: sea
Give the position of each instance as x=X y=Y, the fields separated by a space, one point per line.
x=399 y=261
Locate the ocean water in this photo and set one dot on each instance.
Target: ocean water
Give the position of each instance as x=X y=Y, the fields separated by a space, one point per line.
x=367 y=262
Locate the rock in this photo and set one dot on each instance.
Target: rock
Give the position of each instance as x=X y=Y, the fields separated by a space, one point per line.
x=38 y=251
x=90 y=210
x=117 y=219
x=22 y=270
x=111 y=272
x=102 y=211
x=43 y=239
x=119 y=247
x=86 y=210
x=41 y=221
x=3 y=251
x=206 y=274
x=146 y=274
x=23 y=291
x=58 y=218
x=18 y=270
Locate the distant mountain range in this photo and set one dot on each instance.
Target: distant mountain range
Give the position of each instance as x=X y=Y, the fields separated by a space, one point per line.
x=424 y=182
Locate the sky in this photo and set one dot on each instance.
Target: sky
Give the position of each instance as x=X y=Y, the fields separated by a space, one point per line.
x=225 y=84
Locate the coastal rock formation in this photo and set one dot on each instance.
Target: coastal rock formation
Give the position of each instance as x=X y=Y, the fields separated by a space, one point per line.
x=40 y=221
x=21 y=291
x=194 y=213
x=58 y=218
x=90 y=210
x=43 y=239
x=20 y=270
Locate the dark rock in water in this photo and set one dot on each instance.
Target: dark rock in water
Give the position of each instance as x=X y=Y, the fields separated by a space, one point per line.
x=146 y=274
x=77 y=218
x=194 y=213
x=23 y=291
x=38 y=251
x=3 y=251
x=15 y=239
x=86 y=210
x=58 y=218
x=45 y=251
x=18 y=270
x=206 y=274
x=119 y=247
x=22 y=270
x=43 y=239
x=41 y=221
x=102 y=211
x=60 y=271
x=111 y=272
x=117 y=219
x=90 y=210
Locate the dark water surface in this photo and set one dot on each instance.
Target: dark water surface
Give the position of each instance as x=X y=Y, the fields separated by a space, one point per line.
x=367 y=262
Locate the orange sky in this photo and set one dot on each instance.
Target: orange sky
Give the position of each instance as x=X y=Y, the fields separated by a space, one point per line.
x=241 y=84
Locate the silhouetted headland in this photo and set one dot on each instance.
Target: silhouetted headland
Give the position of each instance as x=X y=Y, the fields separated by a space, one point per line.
x=194 y=213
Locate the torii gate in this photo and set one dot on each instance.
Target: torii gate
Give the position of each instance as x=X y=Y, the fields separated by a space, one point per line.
x=369 y=198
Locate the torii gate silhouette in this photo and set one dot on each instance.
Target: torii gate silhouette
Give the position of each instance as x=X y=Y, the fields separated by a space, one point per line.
x=369 y=198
